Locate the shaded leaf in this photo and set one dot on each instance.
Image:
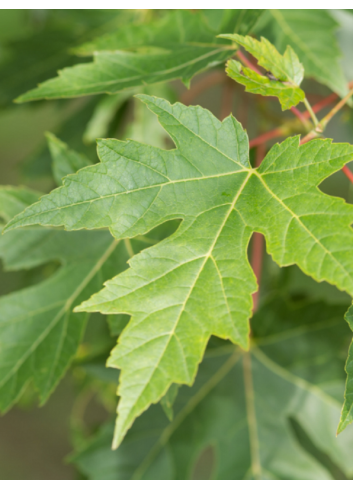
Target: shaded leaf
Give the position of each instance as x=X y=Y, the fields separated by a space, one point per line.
x=240 y=21
x=41 y=53
x=347 y=410
x=311 y=33
x=168 y=399
x=65 y=160
x=178 y=45
x=14 y=199
x=247 y=421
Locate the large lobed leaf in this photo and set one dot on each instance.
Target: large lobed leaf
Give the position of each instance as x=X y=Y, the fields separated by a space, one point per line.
x=198 y=282
x=249 y=421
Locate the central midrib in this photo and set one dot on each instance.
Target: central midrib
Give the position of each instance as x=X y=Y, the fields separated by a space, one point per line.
x=207 y=256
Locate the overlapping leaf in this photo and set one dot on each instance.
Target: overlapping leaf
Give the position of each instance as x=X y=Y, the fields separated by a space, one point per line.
x=39 y=334
x=177 y=46
x=311 y=34
x=347 y=410
x=248 y=421
x=65 y=160
x=14 y=199
x=284 y=73
x=38 y=55
x=198 y=282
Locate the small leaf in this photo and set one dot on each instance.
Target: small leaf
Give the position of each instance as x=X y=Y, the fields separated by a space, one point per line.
x=286 y=72
x=288 y=95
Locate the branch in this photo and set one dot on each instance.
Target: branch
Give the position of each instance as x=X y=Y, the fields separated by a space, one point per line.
x=325 y=120
x=348 y=173
x=275 y=133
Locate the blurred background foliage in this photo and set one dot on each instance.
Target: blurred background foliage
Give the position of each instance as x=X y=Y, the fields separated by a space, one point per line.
x=34 y=44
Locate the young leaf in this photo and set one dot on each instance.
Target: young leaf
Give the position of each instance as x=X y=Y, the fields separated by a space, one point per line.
x=286 y=72
x=65 y=160
x=347 y=410
x=245 y=419
x=311 y=34
x=198 y=282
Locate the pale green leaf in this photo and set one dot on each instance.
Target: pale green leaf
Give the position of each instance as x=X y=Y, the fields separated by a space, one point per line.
x=347 y=410
x=286 y=69
x=198 y=282
x=248 y=421
x=288 y=95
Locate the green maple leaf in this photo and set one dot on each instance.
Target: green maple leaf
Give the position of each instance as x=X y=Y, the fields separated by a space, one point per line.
x=198 y=282
x=248 y=420
x=286 y=69
x=177 y=46
x=311 y=35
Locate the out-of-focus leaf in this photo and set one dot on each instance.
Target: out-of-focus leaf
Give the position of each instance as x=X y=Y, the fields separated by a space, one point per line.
x=14 y=199
x=178 y=45
x=241 y=404
x=65 y=160
x=224 y=20
x=42 y=52
x=311 y=33
x=347 y=410
x=168 y=399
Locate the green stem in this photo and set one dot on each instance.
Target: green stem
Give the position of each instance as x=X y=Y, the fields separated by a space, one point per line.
x=311 y=112
x=321 y=126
